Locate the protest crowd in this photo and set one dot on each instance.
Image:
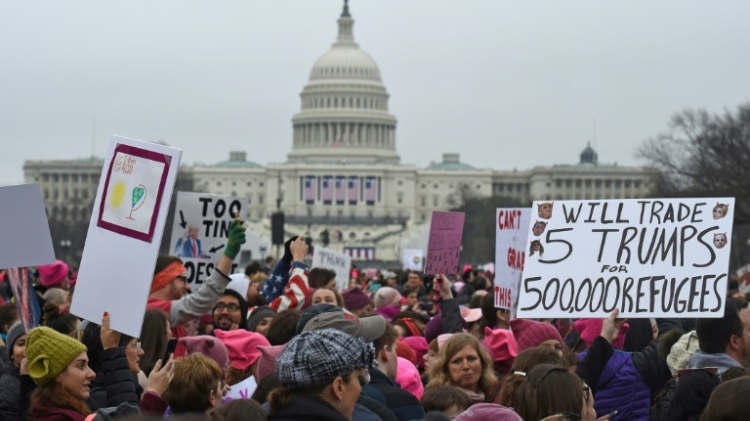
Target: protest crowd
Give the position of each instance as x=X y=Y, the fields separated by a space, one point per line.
x=281 y=342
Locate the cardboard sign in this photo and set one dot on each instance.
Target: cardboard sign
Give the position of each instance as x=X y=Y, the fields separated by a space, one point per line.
x=126 y=227
x=444 y=244
x=24 y=227
x=412 y=259
x=511 y=225
x=243 y=389
x=338 y=262
x=646 y=257
x=25 y=297
x=201 y=229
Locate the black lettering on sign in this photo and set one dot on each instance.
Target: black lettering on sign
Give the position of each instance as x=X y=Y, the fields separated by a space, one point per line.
x=550 y=240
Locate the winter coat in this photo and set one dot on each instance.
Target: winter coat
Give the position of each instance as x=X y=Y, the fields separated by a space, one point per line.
x=151 y=405
x=306 y=408
x=10 y=393
x=115 y=385
x=627 y=381
x=403 y=404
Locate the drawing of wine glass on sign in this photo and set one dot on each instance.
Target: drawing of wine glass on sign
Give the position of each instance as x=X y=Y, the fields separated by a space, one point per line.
x=139 y=196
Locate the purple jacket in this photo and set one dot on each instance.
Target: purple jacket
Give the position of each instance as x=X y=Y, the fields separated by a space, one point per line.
x=622 y=388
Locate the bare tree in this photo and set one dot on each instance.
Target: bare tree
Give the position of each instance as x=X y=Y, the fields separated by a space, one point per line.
x=703 y=155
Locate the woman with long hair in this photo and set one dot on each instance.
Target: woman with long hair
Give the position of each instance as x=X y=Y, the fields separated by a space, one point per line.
x=322 y=373
x=155 y=335
x=549 y=390
x=463 y=362
x=58 y=364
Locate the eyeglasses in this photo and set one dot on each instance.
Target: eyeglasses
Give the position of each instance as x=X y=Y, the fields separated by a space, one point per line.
x=586 y=393
x=231 y=307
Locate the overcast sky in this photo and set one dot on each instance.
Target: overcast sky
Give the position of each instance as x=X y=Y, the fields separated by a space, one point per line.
x=507 y=84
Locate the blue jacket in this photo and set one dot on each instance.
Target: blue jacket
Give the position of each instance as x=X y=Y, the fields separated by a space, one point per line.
x=626 y=381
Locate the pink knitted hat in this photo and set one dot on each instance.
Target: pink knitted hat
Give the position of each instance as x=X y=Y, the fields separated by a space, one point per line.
x=419 y=345
x=53 y=275
x=242 y=346
x=530 y=333
x=208 y=346
x=502 y=346
x=589 y=329
x=267 y=361
x=409 y=379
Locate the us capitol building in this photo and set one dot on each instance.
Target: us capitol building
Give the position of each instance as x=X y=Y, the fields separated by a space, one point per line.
x=344 y=173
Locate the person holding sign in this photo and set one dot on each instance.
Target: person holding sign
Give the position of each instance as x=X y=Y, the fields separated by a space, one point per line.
x=169 y=286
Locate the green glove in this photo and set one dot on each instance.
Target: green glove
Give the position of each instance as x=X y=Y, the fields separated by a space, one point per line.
x=235 y=240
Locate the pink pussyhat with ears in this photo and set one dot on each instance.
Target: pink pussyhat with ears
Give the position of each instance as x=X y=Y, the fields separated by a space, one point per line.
x=53 y=275
x=267 y=361
x=408 y=377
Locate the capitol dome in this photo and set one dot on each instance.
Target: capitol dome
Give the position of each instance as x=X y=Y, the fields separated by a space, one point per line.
x=344 y=116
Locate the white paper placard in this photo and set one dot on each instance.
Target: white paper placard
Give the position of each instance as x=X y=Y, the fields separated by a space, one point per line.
x=24 y=229
x=412 y=259
x=338 y=262
x=243 y=389
x=126 y=228
x=647 y=257
x=200 y=231
x=511 y=225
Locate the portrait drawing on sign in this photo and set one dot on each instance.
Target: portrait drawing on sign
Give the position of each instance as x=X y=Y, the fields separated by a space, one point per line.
x=189 y=245
x=720 y=240
x=536 y=247
x=538 y=228
x=545 y=209
x=720 y=210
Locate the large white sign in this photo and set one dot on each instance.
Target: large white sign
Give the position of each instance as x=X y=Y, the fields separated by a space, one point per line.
x=126 y=227
x=200 y=230
x=646 y=257
x=24 y=230
x=338 y=262
x=511 y=225
x=412 y=259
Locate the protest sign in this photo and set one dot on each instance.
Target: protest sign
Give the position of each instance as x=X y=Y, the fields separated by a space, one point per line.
x=200 y=230
x=646 y=257
x=24 y=227
x=243 y=389
x=412 y=259
x=126 y=227
x=510 y=244
x=337 y=262
x=444 y=244
x=25 y=297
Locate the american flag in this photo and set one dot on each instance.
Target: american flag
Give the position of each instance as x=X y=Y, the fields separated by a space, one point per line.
x=340 y=190
x=353 y=190
x=310 y=189
x=370 y=190
x=327 y=190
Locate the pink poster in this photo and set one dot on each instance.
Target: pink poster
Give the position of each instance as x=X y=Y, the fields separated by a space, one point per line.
x=444 y=245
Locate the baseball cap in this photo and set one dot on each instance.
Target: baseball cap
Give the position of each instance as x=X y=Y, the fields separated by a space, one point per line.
x=313 y=311
x=368 y=328
x=470 y=314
